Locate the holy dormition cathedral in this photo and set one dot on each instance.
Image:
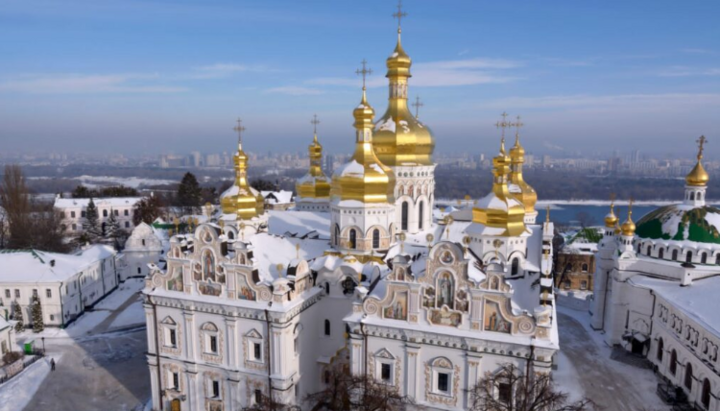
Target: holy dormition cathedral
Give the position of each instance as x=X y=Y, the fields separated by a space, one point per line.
x=365 y=272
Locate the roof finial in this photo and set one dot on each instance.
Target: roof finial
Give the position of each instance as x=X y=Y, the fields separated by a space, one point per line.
x=547 y=214
x=503 y=125
x=417 y=104
x=701 y=146
x=399 y=16
x=517 y=126
x=364 y=72
x=239 y=129
x=630 y=204
x=315 y=122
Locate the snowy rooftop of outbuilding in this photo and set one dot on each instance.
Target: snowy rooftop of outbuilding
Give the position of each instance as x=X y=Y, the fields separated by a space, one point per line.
x=3 y=324
x=99 y=202
x=270 y=250
x=31 y=266
x=299 y=223
x=697 y=300
x=278 y=197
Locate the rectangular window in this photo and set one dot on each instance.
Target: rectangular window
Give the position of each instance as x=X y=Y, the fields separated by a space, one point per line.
x=176 y=380
x=505 y=392
x=74 y=227
x=295 y=345
x=257 y=351
x=258 y=396
x=52 y=317
x=35 y=292
x=82 y=214
x=443 y=382
x=173 y=341
x=17 y=293
x=48 y=293
x=7 y=293
x=216 y=389
x=386 y=372
x=213 y=344
x=127 y=224
x=72 y=214
x=116 y=213
x=66 y=289
x=126 y=213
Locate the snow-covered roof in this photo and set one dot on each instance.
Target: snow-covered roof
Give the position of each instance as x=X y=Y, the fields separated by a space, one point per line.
x=269 y=250
x=143 y=232
x=299 y=223
x=278 y=197
x=3 y=324
x=30 y=266
x=352 y=168
x=698 y=300
x=99 y=202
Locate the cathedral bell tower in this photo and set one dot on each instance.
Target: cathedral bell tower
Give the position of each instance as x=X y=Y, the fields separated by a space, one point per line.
x=314 y=187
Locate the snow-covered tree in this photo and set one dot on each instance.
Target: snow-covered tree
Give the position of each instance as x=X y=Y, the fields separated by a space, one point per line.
x=114 y=233
x=37 y=315
x=91 y=225
x=17 y=315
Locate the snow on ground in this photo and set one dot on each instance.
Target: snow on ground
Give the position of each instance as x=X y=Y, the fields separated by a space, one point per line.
x=134 y=182
x=567 y=379
x=119 y=296
x=133 y=315
x=16 y=393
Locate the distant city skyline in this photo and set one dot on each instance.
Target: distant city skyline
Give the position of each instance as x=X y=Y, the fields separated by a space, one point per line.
x=138 y=77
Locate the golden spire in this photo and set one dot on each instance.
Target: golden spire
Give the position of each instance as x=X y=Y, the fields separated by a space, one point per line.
x=399 y=138
x=547 y=213
x=628 y=227
x=611 y=219
x=525 y=193
x=240 y=199
x=315 y=183
x=698 y=177
x=417 y=104
x=364 y=178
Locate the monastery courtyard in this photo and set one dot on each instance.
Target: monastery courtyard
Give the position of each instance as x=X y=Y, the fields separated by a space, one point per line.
x=103 y=356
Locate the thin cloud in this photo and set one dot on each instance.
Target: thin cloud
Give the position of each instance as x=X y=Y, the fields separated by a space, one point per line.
x=79 y=83
x=295 y=91
x=698 y=51
x=221 y=70
x=671 y=101
x=684 y=71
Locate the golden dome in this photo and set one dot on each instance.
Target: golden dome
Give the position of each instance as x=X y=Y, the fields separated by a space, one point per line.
x=364 y=178
x=315 y=183
x=611 y=219
x=500 y=209
x=524 y=192
x=400 y=138
x=628 y=227
x=241 y=199
x=698 y=177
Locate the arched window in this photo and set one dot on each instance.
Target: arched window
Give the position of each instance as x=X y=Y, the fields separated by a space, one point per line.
x=661 y=253
x=568 y=267
x=705 y=397
x=337 y=234
x=327 y=327
x=327 y=288
x=353 y=238
x=692 y=196
x=421 y=207
x=231 y=235
x=703 y=258
x=688 y=257
x=673 y=362
x=639 y=248
x=649 y=253
x=688 y=377
x=675 y=255
x=515 y=266
x=404 y=220
x=660 y=348
x=584 y=268
x=376 y=238
x=104 y=213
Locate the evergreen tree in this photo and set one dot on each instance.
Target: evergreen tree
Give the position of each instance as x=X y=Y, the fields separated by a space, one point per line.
x=189 y=195
x=37 y=316
x=114 y=233
x=91 y=225
x=17 y=315
x=147 y=210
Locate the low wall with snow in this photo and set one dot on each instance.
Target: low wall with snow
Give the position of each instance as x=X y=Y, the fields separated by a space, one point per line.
x=573 y=302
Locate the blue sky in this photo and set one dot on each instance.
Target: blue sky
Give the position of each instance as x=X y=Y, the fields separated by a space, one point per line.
x=159 y=76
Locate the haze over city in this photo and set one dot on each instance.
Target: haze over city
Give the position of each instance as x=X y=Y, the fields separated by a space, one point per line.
x=138 y=77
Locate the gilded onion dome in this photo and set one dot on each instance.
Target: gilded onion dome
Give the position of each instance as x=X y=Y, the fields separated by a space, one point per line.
x=698 y=177
x=611 y=219
x=520 y=189
x=241 y=199
x=315 y=183
x=364 y=178
x=500 y=209
x=628 y=227
x=400 y=138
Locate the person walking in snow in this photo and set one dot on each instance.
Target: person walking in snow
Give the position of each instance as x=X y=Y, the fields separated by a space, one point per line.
x=52 y=364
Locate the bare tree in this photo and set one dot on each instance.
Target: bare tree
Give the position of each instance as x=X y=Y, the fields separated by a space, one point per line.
x=266 y=404
x=511 y=390
x=346 y=392
x=14 y=198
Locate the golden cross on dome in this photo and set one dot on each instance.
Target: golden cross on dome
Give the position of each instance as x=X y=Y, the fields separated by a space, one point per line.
x=364 y=72
x=630 y=207
x=315 y=122
x=239 y=129
x=417 y=104
x=701 y=143
x=399 y=14
x=503 y=125
x=517 y=126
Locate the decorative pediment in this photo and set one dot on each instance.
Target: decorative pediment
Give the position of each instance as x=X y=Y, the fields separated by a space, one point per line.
x=495 y=281
x=441 y=362
x=208 y=326
x=384 y=353
x=168 y=321
x=253 y=334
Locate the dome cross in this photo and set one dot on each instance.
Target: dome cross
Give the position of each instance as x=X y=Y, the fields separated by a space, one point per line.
x=315 y=122
x=364 y=72
x=399 y=15
x=417 y=104
x=517 y=126
x=239 y=129
x=701 y=146
x=503 y=125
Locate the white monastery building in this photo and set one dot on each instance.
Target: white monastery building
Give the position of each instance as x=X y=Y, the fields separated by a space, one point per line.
x=257 y=303
x=73 y=211
x=142 y=248
x=656 y=289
